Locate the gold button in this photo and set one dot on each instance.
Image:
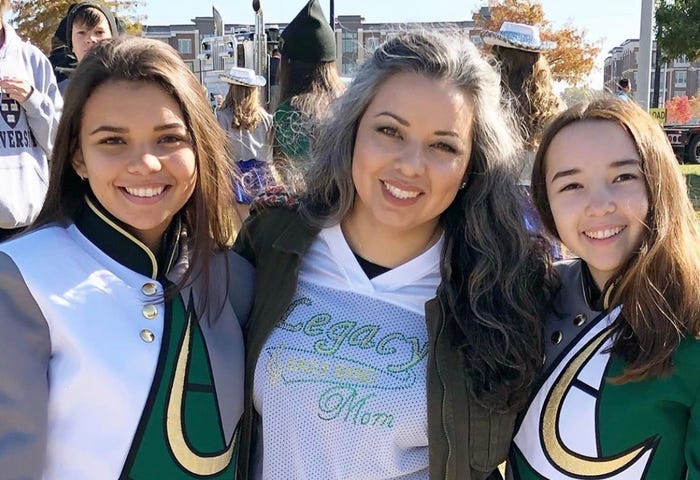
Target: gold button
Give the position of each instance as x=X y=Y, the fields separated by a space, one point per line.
x=147 y=336
x=149 y=289
x=150 y=311
x=557 y=337
x=580 y=320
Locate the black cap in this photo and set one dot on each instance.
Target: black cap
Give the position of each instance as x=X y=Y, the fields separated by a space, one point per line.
x=309 y=37
x=77 y=7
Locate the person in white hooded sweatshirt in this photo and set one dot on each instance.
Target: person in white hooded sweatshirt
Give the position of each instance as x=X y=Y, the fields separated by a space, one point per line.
x=30 y=107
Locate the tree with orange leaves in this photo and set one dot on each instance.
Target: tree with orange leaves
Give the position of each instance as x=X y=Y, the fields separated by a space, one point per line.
x=678 y=110
x=574 y=56
x=36 y=20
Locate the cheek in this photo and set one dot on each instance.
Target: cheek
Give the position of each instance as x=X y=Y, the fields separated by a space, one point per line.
x=563 y=213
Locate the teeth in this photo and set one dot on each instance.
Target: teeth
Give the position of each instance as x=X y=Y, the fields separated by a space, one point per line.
x=144 y=192
x=401 y=194
x=603 y=234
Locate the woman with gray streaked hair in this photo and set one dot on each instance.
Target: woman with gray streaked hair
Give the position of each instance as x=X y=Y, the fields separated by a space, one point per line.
x=396 y=328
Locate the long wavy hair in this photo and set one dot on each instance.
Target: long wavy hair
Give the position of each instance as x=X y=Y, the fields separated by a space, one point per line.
x=244 y=103
x=527 y=80
x=495 y=277
x=207 y=213
x=658 y=285
x=309 y=87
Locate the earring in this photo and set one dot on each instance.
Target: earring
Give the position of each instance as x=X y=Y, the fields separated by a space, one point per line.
x=462 y=185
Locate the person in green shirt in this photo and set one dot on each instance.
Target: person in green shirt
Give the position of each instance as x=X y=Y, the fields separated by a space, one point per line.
x=308 y=80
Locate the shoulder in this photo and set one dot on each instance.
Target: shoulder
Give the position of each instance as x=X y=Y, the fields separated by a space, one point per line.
x=28 y=51
x=224 y=116
x=273 y=217
x=285 y=111
x=266 y=118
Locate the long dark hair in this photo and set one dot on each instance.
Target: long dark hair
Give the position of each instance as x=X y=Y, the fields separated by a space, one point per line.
x=208 y=212
x=495 y=277
x=658 y=286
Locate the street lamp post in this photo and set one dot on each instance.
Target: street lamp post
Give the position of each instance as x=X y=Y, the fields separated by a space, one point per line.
x=332 y=12
x=645 y=36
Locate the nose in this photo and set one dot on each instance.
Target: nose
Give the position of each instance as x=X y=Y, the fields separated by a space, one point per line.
x=144 y=162
x=601 y=201
x=411 y=160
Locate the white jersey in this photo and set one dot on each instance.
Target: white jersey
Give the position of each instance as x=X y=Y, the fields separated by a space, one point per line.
x=341 y=382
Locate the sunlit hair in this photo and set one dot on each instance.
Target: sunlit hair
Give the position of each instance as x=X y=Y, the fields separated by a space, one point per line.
x=527 y=79
x=244 y=103
x=132 y=59
x=309 y=87
x=658 y=285
x=494 y=276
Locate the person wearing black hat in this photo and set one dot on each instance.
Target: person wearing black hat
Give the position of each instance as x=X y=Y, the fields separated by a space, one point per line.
x=308 y=79
x=85 y=24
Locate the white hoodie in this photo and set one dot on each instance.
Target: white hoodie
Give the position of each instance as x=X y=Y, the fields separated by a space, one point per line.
x=27 y=132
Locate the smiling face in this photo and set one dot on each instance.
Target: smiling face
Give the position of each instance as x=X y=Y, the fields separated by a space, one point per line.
x=411 y=153
x=137 y=155
x=84 y=37
x=597 y=194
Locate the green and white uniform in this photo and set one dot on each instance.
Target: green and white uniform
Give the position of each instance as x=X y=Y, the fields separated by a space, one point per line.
x=580 y=425
x=101 y=375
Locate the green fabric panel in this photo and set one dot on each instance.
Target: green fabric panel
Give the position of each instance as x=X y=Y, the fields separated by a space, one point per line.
x=663 y=409
x=291 y=135
x=202 y=423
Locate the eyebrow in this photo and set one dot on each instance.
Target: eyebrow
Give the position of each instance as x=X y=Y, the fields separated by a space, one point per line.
x=617 y=164
x=405 y=123
x=112 y=129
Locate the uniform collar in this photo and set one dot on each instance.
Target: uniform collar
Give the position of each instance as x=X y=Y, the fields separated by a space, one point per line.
x=112 y=237
x=595 y=298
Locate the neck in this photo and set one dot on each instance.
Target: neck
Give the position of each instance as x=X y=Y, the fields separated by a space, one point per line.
x=388 y=247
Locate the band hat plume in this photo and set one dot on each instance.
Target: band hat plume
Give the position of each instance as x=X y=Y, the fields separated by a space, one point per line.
x=518 y=36
x=243 y=76
x=309 y=37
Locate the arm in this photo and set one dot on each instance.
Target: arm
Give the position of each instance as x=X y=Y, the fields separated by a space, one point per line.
x=25 y=348
x=44 y=104
x=241 y=286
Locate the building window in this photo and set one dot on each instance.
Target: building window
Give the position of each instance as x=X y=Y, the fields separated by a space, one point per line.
x=349 y=42
x=681 y=78
x=184 y=45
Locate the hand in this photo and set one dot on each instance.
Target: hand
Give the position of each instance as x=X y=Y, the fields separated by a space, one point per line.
x=16 y=88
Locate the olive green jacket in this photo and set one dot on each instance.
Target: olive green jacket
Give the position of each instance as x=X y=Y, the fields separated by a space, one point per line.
x=466 y=441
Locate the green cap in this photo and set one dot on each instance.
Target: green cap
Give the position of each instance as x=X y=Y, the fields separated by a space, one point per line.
x=309 y=37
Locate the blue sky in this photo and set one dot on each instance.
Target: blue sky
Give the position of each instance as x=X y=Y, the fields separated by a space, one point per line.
x=608 y=22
